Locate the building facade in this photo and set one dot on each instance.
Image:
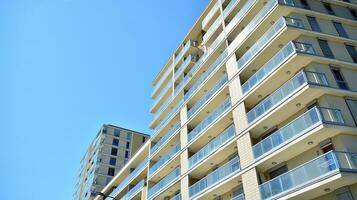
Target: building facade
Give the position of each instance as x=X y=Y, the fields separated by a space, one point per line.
x=258 y=102
x=110 y=150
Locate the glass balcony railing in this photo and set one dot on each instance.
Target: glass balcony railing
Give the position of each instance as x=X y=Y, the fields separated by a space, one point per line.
x=212 y=146
x=157 y=85
x=239 y=197
x=161 y=93
x=239 y=16
x=298 y=81
x=184 y=49
x=167 y=117
x=267 y=38
x=164 y=159
x=205 y=75
x=299 y=126
x=312 y=171
x=183 y=65
x=229 y=7
x=209 y=119
x=129 y=178
x=212 y=29
x=207 y=95
x=133 y=191
x=164 y=182
x=176 y=197
x=210 y=14
x=199 y=63
x=265 y=11
x=215 y=177
x=159 y=110
x=160 y=143
x=290 y=49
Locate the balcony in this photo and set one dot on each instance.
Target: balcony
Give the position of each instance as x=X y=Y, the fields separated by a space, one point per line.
x=163 y=183
x=164 y=139
x=215 y=177
x=162 y=92
x=168 y=156
x=209 y=120
x=212 y=146
x=210 y=14
x=130 y=177
x=280 y=95
x=229 y=7
x=167 y=118
x=239 y=16
x=189 y=59
x=282 y=23
x=275 y=62
x=212 y=29
x=185 y=48
x=134 y=191
x=299 y=126
x=218 y=85
x=205 y=75
x=176 y=197
x=315 y=171
x=164 y=76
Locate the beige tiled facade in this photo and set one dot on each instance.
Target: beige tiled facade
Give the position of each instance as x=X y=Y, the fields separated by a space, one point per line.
x=110 y=150
x=258 y=102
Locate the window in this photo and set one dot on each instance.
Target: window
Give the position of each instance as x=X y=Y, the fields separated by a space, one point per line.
x=328 y=8
x=352 y=106
x=352 y=51
x=314 y=24
x=305 y=4
x=111 y=171
x=128 y=145
x=104 y=130
x=325 y=48
x=339 y=78
x=144 y=139
x=114 y=151
x=112 y=161
x=117 y=132
x=277 y=172
x=340 y=30
x=115 y=142
x=128 y=136
x=353 y=13
x=126 y=154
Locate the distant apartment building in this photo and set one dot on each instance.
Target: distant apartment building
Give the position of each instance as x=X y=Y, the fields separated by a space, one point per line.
x=107 y=154
x=258 y=102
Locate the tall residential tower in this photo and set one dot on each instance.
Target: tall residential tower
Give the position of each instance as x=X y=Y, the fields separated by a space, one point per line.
x=107 y=154
x=258 y=102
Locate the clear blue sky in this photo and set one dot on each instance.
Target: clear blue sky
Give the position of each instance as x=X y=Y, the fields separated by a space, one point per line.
x=68 y=66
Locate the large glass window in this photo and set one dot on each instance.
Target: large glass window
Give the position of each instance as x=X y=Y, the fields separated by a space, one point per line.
x=117 y=132
x=112 y=161
x=352 y=51
x=328 y=8
x=325 y=48
x=340 y=30
x=128 y=145
x=314 y=24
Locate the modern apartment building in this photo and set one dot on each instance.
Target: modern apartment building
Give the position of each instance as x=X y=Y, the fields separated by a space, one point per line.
x=110 y=150
x=258 y=102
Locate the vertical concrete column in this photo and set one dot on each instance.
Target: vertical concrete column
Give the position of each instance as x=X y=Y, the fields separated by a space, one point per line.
x=240 y=118
x=184 y=187
x=144 y=192
x=234 y=85
x=183 y=115
x=245 y=150
x=184 y=161
x=250 y=185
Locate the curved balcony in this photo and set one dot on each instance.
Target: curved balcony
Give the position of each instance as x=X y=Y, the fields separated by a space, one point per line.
x=209 y=119
x=299 y=126
x=311 y=172
x=215 y=177
x=163 y=183
x=212 y=146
